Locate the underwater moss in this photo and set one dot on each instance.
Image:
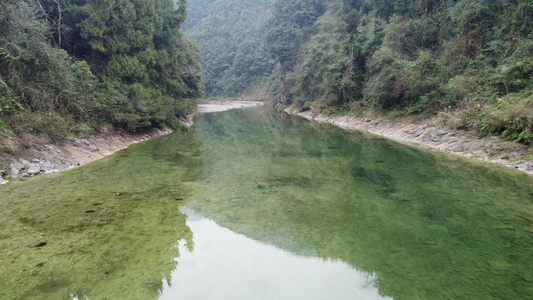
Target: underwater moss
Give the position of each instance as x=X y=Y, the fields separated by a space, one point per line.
x=426 y=225
x=104 y=231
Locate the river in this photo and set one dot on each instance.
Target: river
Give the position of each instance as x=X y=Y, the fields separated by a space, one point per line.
x=254 y=204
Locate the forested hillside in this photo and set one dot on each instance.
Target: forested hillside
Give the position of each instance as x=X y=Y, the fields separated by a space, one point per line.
x=71 y=66
x=468 y=61
x=230 y=33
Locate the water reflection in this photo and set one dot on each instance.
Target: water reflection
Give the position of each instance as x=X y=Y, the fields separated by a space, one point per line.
x=313 y=203
x=429 y=225
x=226 y=265
x=103 y=231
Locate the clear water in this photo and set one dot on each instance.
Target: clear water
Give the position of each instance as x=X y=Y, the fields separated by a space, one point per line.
x=250 y=204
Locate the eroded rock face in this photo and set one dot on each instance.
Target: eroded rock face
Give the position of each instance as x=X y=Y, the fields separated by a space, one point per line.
x=24 y=168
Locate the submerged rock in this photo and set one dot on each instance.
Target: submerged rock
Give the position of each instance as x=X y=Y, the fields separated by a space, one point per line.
x=377 y=177
x=40 y=245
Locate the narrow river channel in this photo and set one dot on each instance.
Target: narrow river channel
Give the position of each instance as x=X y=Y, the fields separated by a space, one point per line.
x=254 y=204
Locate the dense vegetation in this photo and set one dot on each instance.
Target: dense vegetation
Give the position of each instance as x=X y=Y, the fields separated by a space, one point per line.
x=70 y=66
x=469 y=61
x=230 y=33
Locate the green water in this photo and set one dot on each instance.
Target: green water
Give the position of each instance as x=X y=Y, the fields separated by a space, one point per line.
x=251 y=204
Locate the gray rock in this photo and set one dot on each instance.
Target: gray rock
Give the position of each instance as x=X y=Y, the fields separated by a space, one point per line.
x=3 y=181
x=434 y=137
x=528 y=165
x=81 y=142
x=53 y=148
x=16 y=168
x=33 y=169
x=474 y=145
x=47 y=167
x=455 y=148
x=416 y=132
x=438 y=136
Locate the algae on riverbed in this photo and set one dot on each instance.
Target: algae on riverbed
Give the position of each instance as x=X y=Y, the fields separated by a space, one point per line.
x=423 y=224
x=104 y=231
x=430 y=226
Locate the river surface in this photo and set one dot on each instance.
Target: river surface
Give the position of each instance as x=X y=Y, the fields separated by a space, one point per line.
x=253 y=204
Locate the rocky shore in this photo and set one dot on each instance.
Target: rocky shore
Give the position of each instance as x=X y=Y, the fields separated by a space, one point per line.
x=458 y=142
x=46 y=157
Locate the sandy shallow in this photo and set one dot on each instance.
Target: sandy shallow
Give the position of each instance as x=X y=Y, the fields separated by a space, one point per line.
x=217 y=106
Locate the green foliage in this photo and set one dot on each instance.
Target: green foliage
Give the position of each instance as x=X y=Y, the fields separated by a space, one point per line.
x=290 y=26
x=414 y=56
x=515 y=116
x=123 y=61
x=233 y=53
x=33 y=74
x=43 y=124
x=388 y=80
x=5 y=128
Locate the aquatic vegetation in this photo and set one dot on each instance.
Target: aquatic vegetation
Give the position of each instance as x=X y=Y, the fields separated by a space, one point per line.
x=424 y=225
x=423 y=222
x=105 y=231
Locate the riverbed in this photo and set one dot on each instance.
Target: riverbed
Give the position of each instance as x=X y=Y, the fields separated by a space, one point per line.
x=255 y=204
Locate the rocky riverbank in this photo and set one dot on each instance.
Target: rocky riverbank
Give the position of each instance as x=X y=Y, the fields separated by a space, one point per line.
x=45 y=157
x=459 y=142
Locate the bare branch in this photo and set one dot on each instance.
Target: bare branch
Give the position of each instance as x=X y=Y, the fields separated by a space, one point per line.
x=55 y=23
x=58 y=23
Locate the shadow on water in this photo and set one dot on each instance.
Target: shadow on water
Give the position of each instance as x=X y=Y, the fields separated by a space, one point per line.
x=104 y=231
x=428 y=225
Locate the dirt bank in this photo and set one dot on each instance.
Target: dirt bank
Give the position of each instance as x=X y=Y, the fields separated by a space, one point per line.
x=459 y=142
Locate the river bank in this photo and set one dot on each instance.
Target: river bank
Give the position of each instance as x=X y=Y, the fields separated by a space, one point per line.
x=458 y=142
x=46 y=157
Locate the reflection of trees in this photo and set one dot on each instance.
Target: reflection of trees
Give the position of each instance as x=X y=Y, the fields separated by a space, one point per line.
x=425 y=227
x=283 y=120
x=100 y=245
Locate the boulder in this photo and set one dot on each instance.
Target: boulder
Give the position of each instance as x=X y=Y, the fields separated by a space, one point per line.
x=33 y=169
x=17 y=168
